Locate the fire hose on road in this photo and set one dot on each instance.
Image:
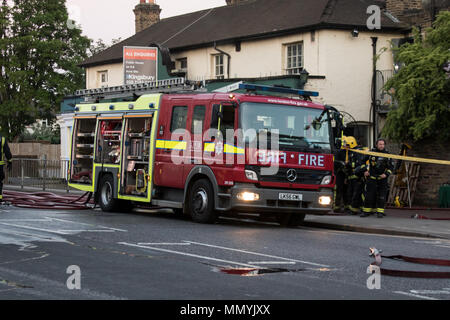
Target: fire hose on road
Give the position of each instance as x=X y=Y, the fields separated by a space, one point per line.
x=410 y=274
x=47 y=200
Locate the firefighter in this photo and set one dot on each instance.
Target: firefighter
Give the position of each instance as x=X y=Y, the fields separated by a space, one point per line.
x=5 y=159
x=376 y=171
x=354 y=178
x=340 y=187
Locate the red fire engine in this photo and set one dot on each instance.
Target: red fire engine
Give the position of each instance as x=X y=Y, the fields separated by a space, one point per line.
x=205 y=154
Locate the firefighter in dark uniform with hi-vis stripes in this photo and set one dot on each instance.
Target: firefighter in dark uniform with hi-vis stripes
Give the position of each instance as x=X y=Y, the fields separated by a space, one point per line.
x=377 y=171
x=5 y=159
x=354 y=179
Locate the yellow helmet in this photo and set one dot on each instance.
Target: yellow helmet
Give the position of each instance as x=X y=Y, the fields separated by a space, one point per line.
x=349 y=141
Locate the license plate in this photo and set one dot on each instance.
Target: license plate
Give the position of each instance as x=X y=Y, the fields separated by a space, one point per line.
x=290 y=196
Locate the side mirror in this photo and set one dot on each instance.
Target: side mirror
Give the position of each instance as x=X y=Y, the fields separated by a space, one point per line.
x=317 y=125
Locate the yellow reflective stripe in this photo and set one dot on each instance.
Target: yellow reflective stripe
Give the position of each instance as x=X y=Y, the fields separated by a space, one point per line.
x=168 y=144
x=367 y=210
x=160 y=144
x=179 y=145
x=209 y=147
x=354 y=209
x=232 y=149
x=380 y=210
x=2 y=163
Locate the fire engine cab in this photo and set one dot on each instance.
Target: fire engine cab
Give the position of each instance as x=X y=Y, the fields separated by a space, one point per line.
x=168 y=144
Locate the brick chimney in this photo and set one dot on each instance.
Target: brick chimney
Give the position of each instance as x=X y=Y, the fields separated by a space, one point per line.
x=420 y=13
x=147 y=13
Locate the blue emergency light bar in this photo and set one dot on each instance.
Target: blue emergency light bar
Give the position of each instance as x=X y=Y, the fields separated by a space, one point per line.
x=256 y=87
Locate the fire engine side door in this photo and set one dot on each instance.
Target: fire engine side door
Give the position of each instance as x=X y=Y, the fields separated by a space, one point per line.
x=197 y=125
x=219 y=151
x=82 y=152
x=137 y=157
x=172 y=142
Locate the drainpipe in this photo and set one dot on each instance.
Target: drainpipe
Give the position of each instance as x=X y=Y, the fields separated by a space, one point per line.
x=374 y=90
x=229 y=59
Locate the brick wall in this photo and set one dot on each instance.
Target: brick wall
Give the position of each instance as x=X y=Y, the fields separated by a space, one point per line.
x=431 y=176
x=418 y=13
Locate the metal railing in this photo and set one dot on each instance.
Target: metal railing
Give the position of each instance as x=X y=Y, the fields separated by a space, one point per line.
x=38 y=173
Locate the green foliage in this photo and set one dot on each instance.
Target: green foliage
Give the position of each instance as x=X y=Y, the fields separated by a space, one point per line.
x=421 y=88
x=42 y=132
x=39 y=57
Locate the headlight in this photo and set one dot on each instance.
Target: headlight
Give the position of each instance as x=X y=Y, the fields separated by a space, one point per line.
x=326 y=180
x=251 y=175
x=325 y=200
x=248 y=196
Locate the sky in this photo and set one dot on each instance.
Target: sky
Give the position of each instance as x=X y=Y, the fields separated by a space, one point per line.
x=112 y=19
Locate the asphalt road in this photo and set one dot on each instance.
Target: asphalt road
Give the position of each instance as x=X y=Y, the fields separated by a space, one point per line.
x=158 y=256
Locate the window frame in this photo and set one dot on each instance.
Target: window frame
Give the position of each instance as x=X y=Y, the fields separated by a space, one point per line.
x=219 y=66
x=290 y=68
x=101 y=74
x=171 y=129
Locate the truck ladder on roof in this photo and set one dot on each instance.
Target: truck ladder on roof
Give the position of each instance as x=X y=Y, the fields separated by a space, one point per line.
x=174 y=85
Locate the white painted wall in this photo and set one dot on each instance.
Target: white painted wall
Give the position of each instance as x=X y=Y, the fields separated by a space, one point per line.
x=115 y=75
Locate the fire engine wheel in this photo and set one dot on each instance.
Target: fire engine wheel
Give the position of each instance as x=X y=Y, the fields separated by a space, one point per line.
x=201 y=203
x=106 y=199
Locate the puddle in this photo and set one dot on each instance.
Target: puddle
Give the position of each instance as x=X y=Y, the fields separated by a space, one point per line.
x=250 y=272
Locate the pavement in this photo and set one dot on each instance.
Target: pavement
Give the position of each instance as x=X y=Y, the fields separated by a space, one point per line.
x=415 y=222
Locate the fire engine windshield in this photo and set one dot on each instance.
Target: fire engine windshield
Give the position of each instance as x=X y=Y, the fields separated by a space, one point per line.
x=296 y=128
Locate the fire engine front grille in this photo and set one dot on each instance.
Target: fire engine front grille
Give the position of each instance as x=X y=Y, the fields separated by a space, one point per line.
x=291 y=175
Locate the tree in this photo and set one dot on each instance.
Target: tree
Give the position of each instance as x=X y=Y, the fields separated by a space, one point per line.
x=39 y=56
x=421 y=88
x=99 y=46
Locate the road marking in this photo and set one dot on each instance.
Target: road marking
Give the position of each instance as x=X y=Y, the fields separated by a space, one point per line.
x=444 y=291
x=190 y=255
x=258 y=254
x=25 y=220
x=163 y=244
x=69 y=231
x=271 y=262
x=33 y=228
x=442 y=246
x=415 y=295
x=87 y=224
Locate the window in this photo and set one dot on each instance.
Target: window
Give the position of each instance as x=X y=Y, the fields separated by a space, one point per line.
x=226 y=121
x=198 y=119
x=182 y=64
x=219 y=66
x=179 y=117
x=361 y=132
x=294 y=58
x=103 y=77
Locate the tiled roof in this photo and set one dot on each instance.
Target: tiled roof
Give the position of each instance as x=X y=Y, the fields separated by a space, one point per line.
x=252 y=19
